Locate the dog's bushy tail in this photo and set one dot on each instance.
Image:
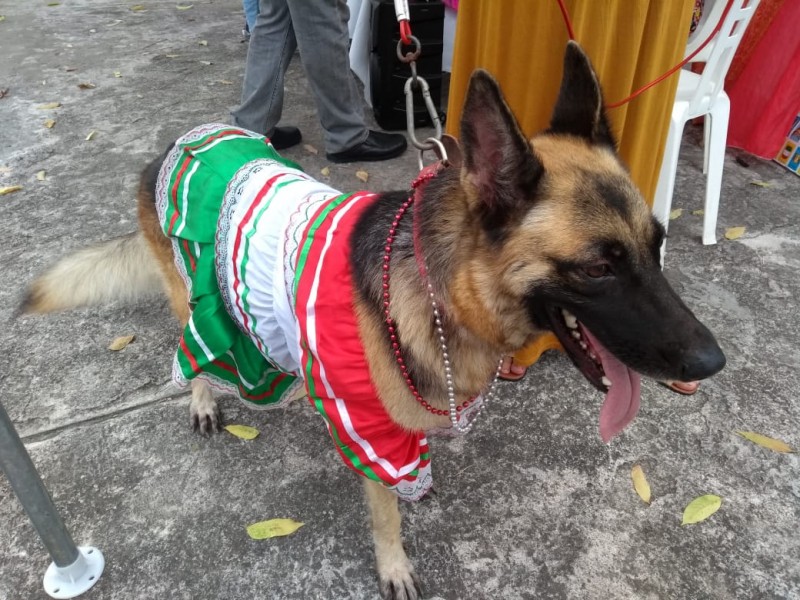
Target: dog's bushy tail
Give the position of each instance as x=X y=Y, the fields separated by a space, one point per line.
x=119 y=269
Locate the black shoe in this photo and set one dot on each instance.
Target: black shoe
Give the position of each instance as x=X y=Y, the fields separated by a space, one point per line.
x=285 y=137
x=377 y=146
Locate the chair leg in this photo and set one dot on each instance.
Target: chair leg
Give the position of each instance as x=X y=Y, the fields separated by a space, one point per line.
x=662 y=201
x=718 y=136
x=706 y=141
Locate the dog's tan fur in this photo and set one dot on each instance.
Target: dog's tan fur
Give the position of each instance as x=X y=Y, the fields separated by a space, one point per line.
x=501 y=238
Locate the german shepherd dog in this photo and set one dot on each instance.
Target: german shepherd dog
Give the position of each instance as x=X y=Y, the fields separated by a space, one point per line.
x=518 y=237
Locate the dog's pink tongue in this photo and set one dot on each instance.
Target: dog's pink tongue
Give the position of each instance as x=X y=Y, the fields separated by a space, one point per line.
x=622 y=400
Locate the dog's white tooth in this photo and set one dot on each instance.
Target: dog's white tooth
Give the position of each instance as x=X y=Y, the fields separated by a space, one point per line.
x=606 y=381
x=584 y=346
x=576 y=335
x=592 y=355
x=569 y=319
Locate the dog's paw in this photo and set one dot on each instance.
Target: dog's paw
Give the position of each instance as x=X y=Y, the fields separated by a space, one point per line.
x=399 y=582
x=205 y=419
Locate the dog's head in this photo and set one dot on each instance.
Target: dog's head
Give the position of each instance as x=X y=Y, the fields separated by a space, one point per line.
x=578 y=248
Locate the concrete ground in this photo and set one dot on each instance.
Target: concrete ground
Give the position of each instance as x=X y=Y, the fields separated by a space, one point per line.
x=531 y=504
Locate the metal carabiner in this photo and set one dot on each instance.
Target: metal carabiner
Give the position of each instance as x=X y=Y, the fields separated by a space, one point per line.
x=432 y=112
x=438 y=147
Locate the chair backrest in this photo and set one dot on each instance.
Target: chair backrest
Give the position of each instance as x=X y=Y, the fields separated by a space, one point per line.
x=718 y=54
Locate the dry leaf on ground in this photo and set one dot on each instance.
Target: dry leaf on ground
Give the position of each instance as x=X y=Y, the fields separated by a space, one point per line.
x=701 y=508
x=698 y=213
x=362 y=175
x=53 y=3
x=86 y=86
x=225 y=82
x=734 y=233
x=138 y=8
x=121 y=342
x=273 y=528
x=3 y=92
x=184 y=6
x=9 y=189
x=49 y=105
x=203 y=42
x=206 y=62
x=326 y=171
x=766 y=442
x=41 y=176
x=244 y=432
x=117 y=74
x=172 y=55
x=91 y=135
x=674 y=214
x=2 y=18
x=640 y=483
x=50 y=123
x=763 y=184
x=311 y=149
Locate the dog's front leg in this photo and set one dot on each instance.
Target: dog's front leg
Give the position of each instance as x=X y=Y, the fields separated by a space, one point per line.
x=397 y=578
x=204 y=414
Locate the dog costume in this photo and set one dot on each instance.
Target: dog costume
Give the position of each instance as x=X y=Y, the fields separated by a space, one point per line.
x=264 y=251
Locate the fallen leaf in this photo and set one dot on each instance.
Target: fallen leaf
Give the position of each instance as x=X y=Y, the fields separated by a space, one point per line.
x=203 y=43
x=41 y=176
x=326 y=171
x=86 y=86
x=763 y=184
x=698 y=213
x=115 y=22
x=49 y=105
x=206 y=62
x=70 y=69
x=766 y=442
x=53 y=3
x=701 y=508
x=172 y=55
x=734 y=233
x=674 y=214
x=138 y=8
x=121 y=342
x=640 y=483
x=50 y=123
x=3 y=92
x=244 y=432
x=362 y=175
x=2 y=18
x=117 y=74
x=10 y=189
x=310 y=149
x=225 y=82
x=273 y=528
x=91 y=135
x=184 y=6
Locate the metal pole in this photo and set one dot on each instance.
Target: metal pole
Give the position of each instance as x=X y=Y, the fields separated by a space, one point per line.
x=73 y=570
x=16 y=463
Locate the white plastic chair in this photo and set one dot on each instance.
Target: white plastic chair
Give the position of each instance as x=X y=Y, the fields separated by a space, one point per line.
x=703 y=96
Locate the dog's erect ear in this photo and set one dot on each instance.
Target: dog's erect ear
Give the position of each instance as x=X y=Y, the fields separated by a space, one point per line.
x=497 y=158
x=579 y=109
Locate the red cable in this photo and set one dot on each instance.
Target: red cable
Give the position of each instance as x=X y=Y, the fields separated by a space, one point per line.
x=405 y=32
x=661 y=78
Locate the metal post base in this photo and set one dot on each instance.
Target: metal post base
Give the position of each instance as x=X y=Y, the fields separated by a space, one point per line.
x=73 y=580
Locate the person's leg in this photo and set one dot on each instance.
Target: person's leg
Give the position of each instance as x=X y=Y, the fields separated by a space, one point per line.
x=250 y=12
x=323 y=39
x=272 y=44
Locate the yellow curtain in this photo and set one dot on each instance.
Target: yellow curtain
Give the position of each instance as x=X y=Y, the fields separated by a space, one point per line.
x=630 y=43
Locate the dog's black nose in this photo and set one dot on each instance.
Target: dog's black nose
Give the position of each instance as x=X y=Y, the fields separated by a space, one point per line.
x=702 y=363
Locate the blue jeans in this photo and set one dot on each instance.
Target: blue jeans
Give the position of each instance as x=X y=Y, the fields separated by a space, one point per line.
x=250 y=12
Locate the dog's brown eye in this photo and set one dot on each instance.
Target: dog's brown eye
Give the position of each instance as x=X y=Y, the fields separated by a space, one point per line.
x=597 y=271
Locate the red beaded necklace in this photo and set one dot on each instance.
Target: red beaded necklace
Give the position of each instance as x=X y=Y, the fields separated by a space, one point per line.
x=425 y=175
